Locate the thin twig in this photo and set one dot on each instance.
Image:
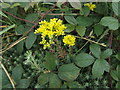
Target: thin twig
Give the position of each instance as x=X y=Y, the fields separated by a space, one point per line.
x=13 y=44
x=103 y=35
x=81 y=47
x=23 y=37
x=61 y=14
x=109 y=59
x=13 y=85
x=18 y=17
x=38 y=22
x=102 y=44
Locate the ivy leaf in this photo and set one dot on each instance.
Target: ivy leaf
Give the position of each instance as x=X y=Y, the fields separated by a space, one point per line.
x=111 y=22
x=99 y=67
x=68 y=72
x=81 y=30
x=70 y=19
x=30 y=40
x=83 y=60
x=95 y=49
x=54 y=81
x=106 y=53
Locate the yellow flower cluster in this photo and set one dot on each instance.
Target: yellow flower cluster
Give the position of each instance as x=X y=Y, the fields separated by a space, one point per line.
x=49 y=30
x=90 y=5
x=69 y=39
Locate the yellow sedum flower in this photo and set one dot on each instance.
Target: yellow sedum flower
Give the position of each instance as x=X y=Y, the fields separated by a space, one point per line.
x=50 y=29
x=69 y=39
x=90 y=5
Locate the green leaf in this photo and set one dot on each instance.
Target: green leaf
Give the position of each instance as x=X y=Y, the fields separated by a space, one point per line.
x=15 y=5
x=95 y=49
x=98 y=29
x=30 y=40
x=114 y=75
x=60 y=2
x=70 y=19
x=118 y=71
x=2 y=14
x=1 y=77
x=111 y=22
x=51 y=61
x=85 y=11
x=20 y=47
x=115 y=7
x=6 y=29
x=102 y=8
x=68 y=72
x=74 y=85
x=24 y=83
x=76 y=5
x=84 y=21
x=106 y=53
x=81 y=30
x=20 y=29
x=7 y=86
x=17 y=73
x=99 y=67
x=43 y=78
x=31 y=17
x=83 y=60
x=70 y=28
x=118 y=56
x=5 y=79
x=118 y=85
x=54 y=81
x=4 y=5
